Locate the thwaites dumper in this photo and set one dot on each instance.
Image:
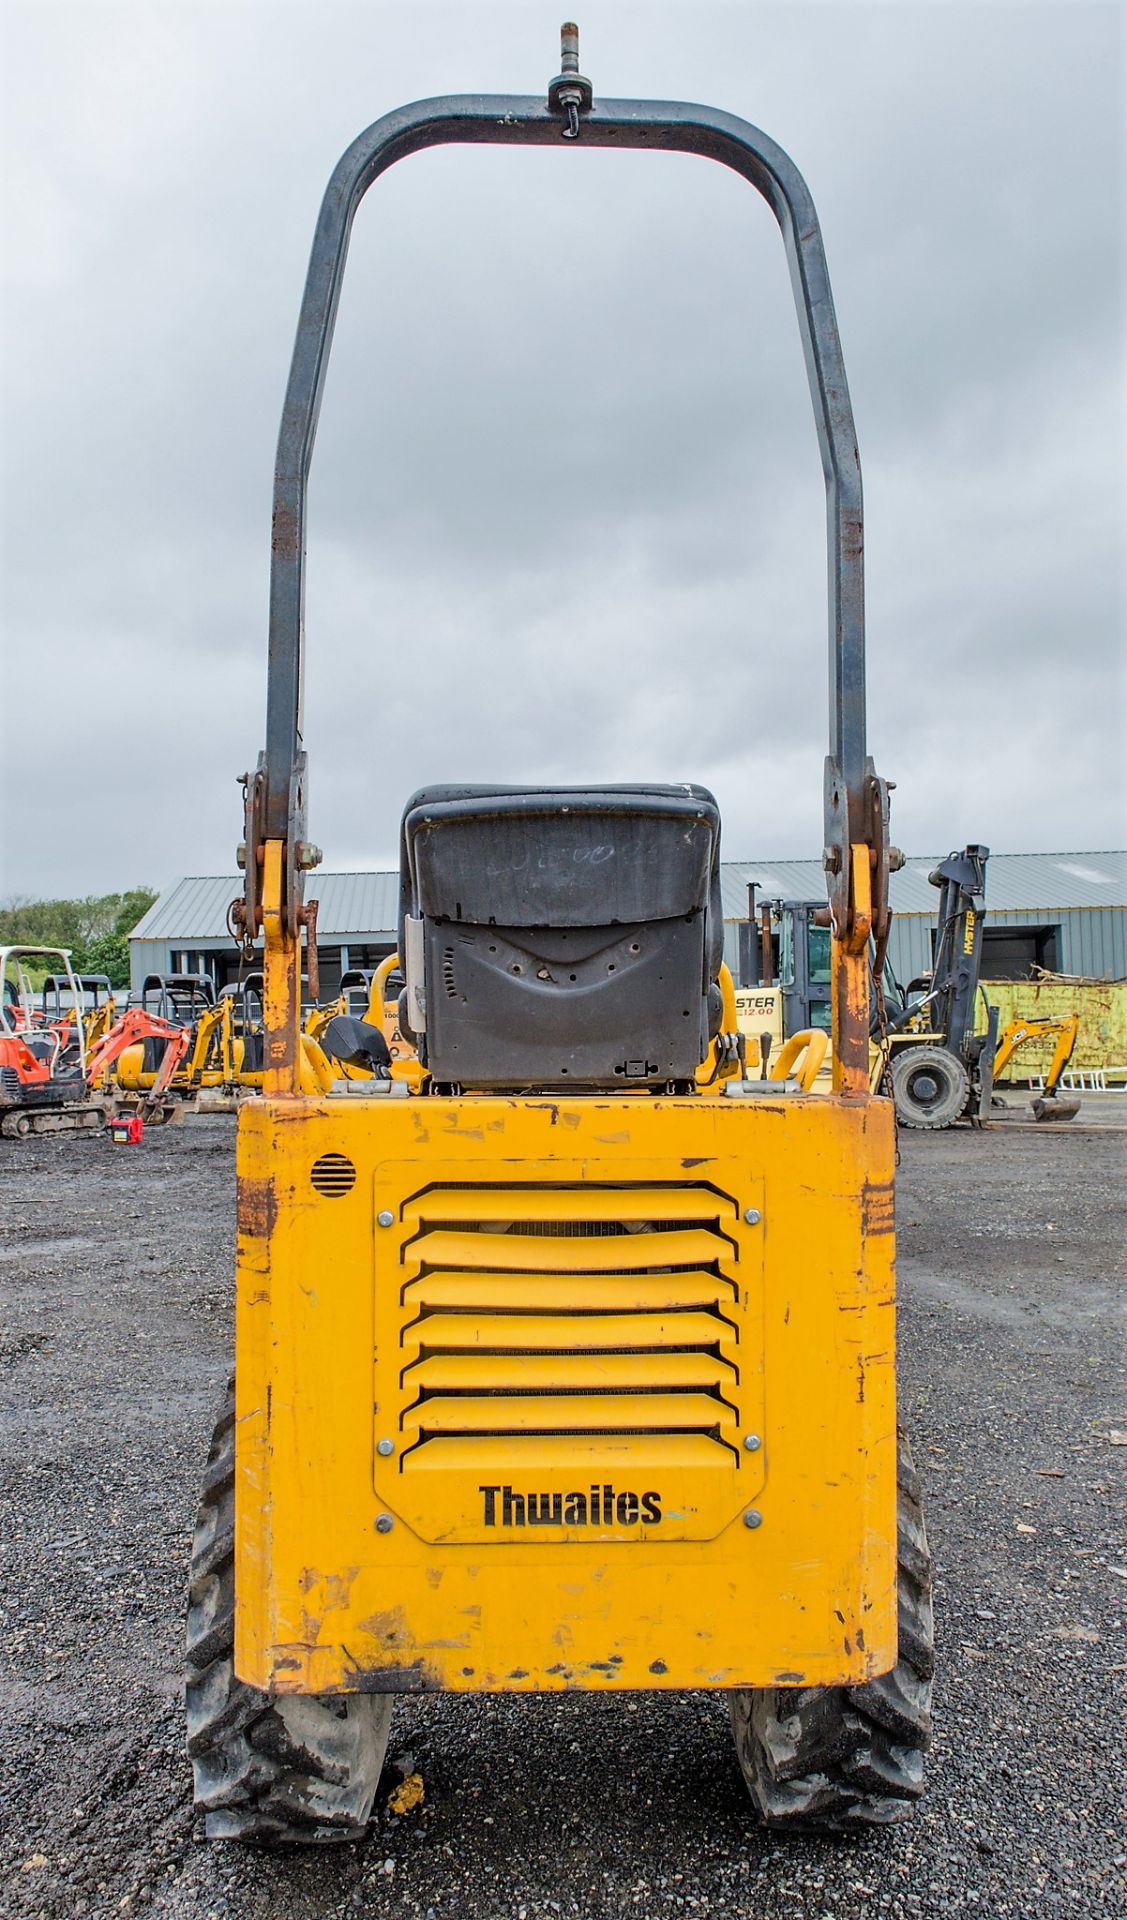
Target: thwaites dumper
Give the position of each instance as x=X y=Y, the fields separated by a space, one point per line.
x=569 y=1364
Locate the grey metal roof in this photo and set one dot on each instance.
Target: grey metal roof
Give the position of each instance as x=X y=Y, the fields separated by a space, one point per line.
x=367 y=903
x=347 y=903
x=1015 y=882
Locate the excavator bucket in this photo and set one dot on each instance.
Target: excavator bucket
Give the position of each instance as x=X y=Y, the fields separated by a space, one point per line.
x=1055 y=1106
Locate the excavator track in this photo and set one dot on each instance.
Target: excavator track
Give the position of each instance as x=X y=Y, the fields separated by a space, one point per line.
x=28 y=1120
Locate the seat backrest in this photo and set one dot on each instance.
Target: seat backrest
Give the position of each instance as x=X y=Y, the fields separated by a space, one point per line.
x=563 y=937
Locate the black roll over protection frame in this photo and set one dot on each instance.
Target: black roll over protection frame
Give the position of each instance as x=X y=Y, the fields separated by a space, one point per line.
x=856 y=799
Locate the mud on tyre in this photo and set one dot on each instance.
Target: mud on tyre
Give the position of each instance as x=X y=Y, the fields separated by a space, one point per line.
x=833 y=1759
x=271 y=1771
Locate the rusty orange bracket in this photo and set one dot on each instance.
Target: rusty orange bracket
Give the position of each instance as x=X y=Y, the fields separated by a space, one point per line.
x=861 y=898
x=282 y=982
x=851 y=980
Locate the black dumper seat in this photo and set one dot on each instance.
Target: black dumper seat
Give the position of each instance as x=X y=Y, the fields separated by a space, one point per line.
x=561 y=937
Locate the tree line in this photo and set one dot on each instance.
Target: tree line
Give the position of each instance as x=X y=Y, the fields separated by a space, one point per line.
x=95 y=929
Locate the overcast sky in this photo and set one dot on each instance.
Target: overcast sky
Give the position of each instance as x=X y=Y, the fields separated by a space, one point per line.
x=567 y=517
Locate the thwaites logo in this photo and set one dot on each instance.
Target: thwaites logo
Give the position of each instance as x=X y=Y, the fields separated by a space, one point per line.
x=596 y=1506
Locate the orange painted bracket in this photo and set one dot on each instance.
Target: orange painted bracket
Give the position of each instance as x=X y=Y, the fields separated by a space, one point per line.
x=861 y=894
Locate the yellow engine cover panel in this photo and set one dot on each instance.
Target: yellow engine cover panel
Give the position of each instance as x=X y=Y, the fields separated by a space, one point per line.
x=539 y=1393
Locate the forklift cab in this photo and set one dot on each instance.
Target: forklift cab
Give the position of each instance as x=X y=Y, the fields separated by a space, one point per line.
x=805 y=974
x=804 y=969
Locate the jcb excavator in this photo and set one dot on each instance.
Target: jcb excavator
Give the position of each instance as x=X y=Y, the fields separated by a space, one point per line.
x=1063 y=1030
x=569 y=1364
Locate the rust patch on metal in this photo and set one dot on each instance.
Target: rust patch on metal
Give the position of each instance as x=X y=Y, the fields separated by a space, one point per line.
x=337 y=1587
x=789 y=1679
x=284 y=532
x=256 y=1207
x=415 y=1678
x=878 y=1208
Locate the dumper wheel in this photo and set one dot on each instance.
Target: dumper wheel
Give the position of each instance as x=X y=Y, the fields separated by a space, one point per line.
x=930 y=1087
x=832 y=1759
x=278 y=1772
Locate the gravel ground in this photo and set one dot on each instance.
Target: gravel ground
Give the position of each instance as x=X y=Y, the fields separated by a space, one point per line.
x=115 y=1302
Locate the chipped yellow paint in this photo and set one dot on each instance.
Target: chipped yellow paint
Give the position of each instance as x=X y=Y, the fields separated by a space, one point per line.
x=566 y=1333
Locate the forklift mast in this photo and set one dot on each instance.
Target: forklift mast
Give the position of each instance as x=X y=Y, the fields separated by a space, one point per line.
x=961 y=879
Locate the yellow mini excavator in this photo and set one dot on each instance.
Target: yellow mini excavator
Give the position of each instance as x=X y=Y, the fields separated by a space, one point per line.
x=562 y=1363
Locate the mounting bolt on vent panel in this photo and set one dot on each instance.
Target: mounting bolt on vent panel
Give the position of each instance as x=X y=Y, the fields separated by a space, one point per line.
x=333 y=1175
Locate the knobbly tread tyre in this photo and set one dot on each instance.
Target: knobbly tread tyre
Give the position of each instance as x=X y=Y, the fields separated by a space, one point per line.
x=951 y=1103
x=835 y=1759
x=276 y=1772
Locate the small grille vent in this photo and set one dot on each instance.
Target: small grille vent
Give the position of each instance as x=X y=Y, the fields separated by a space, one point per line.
x=333 y=1175
x=448 y=979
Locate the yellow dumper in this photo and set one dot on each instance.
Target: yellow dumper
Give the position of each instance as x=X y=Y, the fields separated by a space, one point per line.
x=569 y=1361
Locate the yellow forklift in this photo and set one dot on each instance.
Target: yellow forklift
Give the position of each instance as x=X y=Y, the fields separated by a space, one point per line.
x=569 y=1361
x=930 y=1046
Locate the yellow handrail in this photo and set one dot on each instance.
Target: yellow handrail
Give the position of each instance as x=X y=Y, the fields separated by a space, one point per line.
x=729 y=1019
x=380 y=979
x=809 y=1046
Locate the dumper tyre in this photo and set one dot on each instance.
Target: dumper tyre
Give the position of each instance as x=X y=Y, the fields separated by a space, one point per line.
x=276 y=1772
x=930 y=1087
x=838 y=1759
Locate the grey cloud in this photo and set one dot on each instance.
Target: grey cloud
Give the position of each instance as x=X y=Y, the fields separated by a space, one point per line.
x=566 y=514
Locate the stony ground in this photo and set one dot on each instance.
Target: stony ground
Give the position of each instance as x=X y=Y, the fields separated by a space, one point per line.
x=115 y=1307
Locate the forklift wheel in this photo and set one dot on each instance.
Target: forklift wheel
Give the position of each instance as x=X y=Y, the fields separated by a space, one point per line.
x=276 y=1772
x=930 y=1087
x=832 y=1759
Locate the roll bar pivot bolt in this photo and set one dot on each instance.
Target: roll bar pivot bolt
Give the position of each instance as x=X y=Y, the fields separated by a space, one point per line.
x=570 y=93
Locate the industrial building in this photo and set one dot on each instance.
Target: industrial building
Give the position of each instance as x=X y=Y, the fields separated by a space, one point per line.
x=1065 y=912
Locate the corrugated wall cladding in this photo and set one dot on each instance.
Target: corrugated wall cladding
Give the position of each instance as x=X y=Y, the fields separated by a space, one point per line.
x=1092 y=943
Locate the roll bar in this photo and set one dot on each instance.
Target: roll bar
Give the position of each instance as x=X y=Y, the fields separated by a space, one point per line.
x=856 y=803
